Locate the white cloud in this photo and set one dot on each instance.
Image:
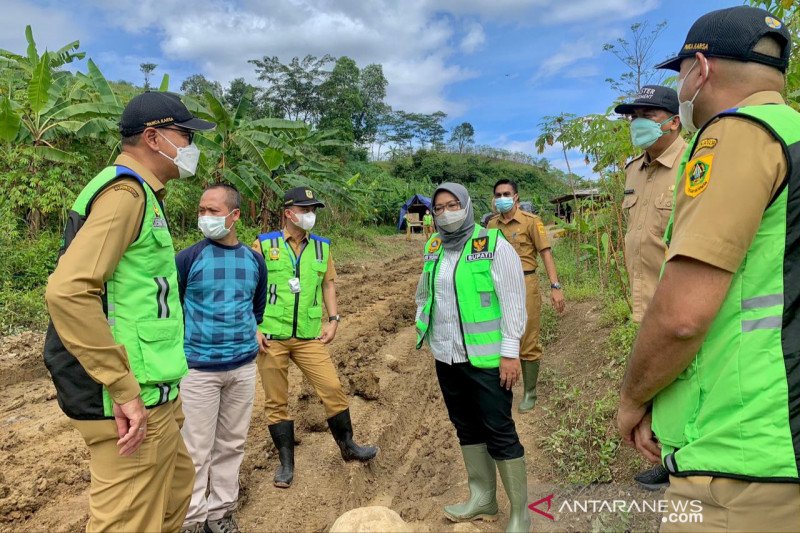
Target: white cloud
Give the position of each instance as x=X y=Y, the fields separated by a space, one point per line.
x=474 y=39
x=415 y=40
x=52 y=28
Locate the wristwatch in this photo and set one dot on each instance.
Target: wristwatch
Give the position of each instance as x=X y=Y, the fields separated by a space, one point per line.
x=337 y=318
x=555 y=286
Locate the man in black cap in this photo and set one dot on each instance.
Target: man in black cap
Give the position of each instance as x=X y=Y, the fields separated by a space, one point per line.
x=649 y=184
x=712 y=388
x=300 y=281
x=114 y=347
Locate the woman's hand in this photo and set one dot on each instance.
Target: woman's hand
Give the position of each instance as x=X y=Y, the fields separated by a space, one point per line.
x=510 y=372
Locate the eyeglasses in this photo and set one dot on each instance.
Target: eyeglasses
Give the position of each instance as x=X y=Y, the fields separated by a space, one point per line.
x=186 y=133
x=450 y=206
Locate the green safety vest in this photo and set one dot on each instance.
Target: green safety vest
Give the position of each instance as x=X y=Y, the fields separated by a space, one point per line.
x=735 y=411
x=288 y=315
x=143 y=309
x=427 y=220
x=478 y=307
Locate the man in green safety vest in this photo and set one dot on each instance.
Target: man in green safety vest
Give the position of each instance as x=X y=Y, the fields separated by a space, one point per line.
x=300 y=282
x=114 y=347
x=712 y=388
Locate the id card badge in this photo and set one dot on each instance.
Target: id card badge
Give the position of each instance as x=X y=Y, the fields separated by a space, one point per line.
x=294 y=285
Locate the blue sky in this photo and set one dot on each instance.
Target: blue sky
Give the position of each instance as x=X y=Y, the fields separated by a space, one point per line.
x=501 y=65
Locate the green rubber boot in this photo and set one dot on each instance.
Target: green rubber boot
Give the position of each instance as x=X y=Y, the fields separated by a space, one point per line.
x=482 y=503
x=530 y=375
x=515 y=481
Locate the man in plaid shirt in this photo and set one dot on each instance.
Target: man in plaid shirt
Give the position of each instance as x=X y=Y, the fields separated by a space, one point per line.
x=223 y=290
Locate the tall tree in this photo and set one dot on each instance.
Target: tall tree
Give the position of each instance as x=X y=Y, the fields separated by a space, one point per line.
x=462 y=136
x=293 y=89
x=373 y=95
x=341 y=97
x=197 y=84
x=147 y=69
x=636 y=53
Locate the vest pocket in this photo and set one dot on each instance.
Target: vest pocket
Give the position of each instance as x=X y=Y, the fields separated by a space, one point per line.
x=163 y=237
x=161 y=348
x=675 y=407
x=273 y=321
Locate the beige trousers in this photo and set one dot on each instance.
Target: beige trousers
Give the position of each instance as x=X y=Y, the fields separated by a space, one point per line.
x=312 y=358
x=147 y=491
x=218 y=406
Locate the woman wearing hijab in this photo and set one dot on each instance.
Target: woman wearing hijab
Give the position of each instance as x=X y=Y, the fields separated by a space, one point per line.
x=471 y=311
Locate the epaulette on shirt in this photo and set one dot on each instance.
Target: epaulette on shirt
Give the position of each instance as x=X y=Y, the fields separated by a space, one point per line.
x=634 y=159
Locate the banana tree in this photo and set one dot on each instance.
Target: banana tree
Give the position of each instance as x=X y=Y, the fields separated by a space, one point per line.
x=260 y=157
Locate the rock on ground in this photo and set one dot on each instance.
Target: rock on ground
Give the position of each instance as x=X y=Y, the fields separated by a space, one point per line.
x=370 y=520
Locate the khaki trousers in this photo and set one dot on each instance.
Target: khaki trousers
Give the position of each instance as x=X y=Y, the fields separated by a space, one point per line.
x=530 y=349
x=312 y=358
x=730 y=505
x=147 y=491
x=218 y=406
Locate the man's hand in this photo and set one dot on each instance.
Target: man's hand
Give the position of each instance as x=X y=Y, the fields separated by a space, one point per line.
x=634 y=422
x=557 y=297
x=329 y=331
x=645 y=440
x=131 y=419
x=510 y=372
x=263 y=343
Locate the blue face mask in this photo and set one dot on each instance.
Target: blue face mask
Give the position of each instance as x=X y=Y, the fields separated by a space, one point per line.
x=645 y=132
x=504 y=204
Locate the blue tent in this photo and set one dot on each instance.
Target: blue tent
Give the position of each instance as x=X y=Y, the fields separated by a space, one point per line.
x=415 y=204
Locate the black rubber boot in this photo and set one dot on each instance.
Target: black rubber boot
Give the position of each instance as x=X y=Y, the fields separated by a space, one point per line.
x=342 y=430
x=282 y=435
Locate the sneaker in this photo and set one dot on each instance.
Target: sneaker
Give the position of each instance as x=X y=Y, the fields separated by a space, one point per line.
x=226 y=524
x=197 y=527
x=654 y=479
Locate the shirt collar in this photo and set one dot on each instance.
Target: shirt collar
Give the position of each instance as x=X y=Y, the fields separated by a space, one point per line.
x=288 y=236
x=762 y=98
x=668 y=157
x=127 y=160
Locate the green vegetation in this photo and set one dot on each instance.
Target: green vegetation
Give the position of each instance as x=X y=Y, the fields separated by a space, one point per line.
x=313 y=122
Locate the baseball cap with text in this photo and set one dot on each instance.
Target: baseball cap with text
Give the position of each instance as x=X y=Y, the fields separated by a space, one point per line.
x=732 y=34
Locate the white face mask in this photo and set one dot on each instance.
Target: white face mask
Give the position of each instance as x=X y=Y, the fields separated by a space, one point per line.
x=306 y=221
x=450 y=221
x=186 y=158
x=214 y=227
x=686 y=109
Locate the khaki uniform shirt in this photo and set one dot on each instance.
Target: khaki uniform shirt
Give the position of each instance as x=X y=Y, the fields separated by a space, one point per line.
x=297 y=247
x=647 y=205
x=75 y=288
x=716 y=222
x=526 y=233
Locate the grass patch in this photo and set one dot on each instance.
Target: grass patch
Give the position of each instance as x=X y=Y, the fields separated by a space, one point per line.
x=25 y=264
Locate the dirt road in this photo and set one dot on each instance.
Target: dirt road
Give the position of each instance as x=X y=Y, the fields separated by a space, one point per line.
x=395 y=403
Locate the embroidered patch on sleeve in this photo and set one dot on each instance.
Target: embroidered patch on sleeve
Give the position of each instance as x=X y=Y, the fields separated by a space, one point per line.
x=127 y=188
x=698 y=174
x=709 y=142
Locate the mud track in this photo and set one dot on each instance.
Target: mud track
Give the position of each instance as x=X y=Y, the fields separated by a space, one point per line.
x=395 y=404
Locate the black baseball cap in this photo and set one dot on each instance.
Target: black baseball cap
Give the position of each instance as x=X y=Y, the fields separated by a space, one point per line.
x=652 y=96
x=153 y=109
x=300 y=196
x=731 y=34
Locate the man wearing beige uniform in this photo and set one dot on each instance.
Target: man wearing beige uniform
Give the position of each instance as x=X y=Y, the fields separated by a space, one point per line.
x=649 y=185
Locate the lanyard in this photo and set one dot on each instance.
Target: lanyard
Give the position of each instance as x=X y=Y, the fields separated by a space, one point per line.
x=294 y=259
